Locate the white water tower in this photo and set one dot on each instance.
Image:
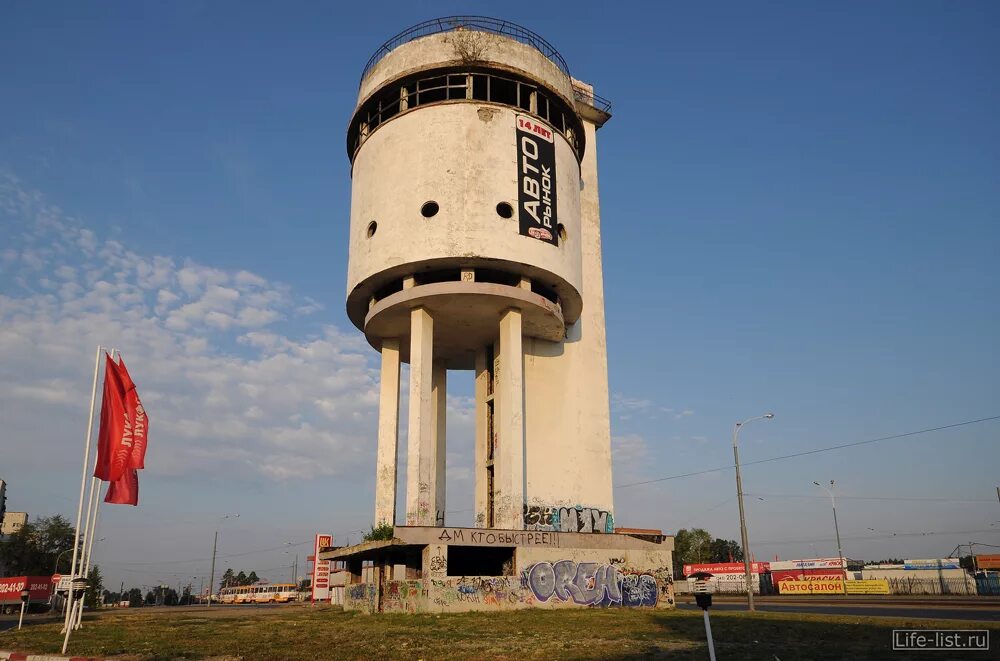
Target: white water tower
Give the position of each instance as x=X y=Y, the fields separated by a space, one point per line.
x=475 y=244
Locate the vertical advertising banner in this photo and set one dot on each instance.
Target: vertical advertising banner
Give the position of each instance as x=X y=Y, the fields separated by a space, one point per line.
x=536 y=180
x=321 y=569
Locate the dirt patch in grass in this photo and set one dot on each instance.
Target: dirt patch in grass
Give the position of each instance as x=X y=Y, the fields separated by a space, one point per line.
x=300 y=632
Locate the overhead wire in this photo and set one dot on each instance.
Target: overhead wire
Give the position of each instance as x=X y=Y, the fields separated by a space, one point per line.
x=814 y=451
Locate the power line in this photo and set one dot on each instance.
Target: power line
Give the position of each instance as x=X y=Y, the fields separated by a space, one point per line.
x=858 y=538
x=816 y=451
x=840 y=497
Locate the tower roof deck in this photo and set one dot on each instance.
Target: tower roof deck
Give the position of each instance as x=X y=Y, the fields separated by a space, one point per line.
x=476 y=23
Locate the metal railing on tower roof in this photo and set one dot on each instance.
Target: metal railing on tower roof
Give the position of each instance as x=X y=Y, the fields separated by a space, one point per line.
x=478 y=23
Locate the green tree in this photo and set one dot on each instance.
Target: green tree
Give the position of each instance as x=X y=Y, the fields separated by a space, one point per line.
x=691 y=546
x=241 y=578
x=95 y=585
x=150 y=598
x=252 y=579
x=228 y=579
x=134 y=597
x=381 y=532
x=32 y=550
x=725 y=550
x=186 y=595
x=170 y=597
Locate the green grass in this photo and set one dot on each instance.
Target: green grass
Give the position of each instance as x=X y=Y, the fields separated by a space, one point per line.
x=300 y=632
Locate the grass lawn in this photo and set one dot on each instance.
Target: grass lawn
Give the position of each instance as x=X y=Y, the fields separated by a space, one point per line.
x=300 y=632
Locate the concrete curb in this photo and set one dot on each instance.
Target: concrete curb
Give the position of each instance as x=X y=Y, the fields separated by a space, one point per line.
x=21 y=656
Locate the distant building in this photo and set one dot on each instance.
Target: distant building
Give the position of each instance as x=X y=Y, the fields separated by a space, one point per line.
x=12 y=522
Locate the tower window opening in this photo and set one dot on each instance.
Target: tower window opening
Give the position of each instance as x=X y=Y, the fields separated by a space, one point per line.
x=480 y=561
x=372 y=226
x=524 y=97
x=429 y=209
x=503 y=91
x=407 y=94
x=480 y=87
x=561 y=229
x=432 y=90
x=504 y=210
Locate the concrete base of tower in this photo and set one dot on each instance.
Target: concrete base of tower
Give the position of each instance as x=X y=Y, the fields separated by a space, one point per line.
x=438 y=570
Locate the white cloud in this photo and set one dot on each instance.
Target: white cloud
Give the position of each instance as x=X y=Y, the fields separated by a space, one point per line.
x=222 y=389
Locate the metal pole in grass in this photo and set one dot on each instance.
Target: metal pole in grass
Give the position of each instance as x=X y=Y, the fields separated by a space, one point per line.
x=703 y=597
x=25 y=595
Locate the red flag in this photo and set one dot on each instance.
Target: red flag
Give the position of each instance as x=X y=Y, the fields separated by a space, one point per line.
x=114 y=439
x=124 y=490
x=137 y=415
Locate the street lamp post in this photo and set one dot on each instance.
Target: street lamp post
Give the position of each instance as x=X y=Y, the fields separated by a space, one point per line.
x=836 y=528
x=215 y=546
x=739 y=496
x=833 y=504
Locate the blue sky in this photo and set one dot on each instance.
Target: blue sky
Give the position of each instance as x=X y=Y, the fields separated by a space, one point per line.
x=799 y=211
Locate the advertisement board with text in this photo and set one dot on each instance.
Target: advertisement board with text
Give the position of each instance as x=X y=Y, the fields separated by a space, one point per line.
x=321 y=569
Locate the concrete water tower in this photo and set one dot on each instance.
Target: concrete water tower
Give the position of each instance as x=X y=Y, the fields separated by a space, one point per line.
x=475 y=244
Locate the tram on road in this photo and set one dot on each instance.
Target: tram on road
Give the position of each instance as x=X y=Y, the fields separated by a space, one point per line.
x=271 y=593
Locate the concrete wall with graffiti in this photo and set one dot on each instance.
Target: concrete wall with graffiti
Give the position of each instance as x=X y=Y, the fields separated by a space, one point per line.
x=539 y=577
x=574 y=518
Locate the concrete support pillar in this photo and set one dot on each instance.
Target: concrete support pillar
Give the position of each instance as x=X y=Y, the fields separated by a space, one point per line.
x=420 y=435
x=439 y=406
x=388 y=435
x=509 y=455
x=480 y=495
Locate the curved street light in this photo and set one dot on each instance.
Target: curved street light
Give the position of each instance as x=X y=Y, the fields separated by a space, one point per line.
x=836 y=528
x=739 y=496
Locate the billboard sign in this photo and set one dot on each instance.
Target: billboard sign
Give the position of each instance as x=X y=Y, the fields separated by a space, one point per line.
x=38 y=588
x=321 y=569
x=828 y=586
x=868 y=586
x=536 y=180
x=937 y=563
x=988 y=561
x=809 y=563
x=716 y=568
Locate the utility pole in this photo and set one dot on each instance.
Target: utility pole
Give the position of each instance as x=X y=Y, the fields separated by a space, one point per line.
x=739 y=495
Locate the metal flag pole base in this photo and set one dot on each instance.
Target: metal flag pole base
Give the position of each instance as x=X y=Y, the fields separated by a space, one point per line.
x=708 y=635
x=69 y=629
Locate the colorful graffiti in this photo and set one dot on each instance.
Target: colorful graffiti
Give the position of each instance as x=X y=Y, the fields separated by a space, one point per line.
x=361 y=596
x=591 y=584
x=568 y=519
x=403 y=596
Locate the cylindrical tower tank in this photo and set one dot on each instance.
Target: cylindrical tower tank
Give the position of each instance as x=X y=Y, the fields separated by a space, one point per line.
x=465 y=150
x=475 y=244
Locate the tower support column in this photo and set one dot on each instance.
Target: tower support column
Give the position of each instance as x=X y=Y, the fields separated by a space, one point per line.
x=421 y=441
x=484 y=438
x=388 y=435
x=439 y=406
x=509 y=454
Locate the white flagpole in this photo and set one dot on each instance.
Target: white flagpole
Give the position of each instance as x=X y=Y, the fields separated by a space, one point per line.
x=96 y=484
x=83 y=487
x=91 y=530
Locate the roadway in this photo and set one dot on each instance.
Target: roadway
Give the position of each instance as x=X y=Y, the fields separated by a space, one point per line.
x=973 y=609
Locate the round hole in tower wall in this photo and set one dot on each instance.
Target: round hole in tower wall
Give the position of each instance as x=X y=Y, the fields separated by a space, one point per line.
x=429 y=209
x=372 y=226
x=504 y=210
x=561 y=230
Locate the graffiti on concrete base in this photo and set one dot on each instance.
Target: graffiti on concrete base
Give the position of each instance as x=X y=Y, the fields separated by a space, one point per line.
x=591 y=584
x=568 y=519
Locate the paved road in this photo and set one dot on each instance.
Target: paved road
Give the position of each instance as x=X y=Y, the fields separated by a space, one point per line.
x=921 y=610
